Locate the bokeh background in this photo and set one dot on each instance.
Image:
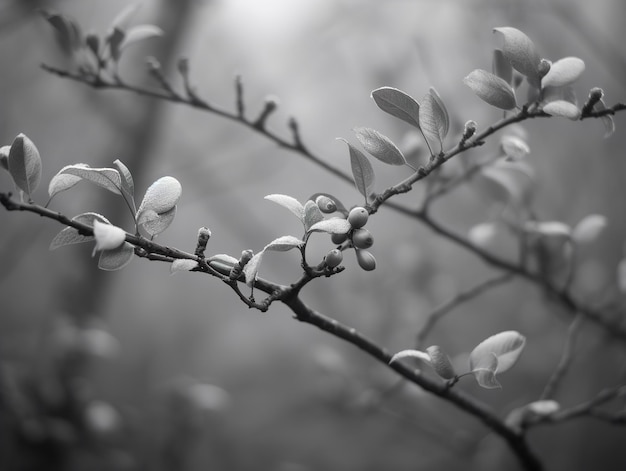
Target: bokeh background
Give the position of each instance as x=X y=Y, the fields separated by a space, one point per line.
x=141 y=370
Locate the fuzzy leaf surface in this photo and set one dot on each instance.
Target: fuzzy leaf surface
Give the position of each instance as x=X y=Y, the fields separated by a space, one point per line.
x=506 y=346
x=312 y=214
x=410 y=354
x=157 y=225
x=162 y=195
x=362 y=171
x=107 y=178
x=589 y=228
x=397 y=104
x=379 y=146
x=332 y=226
x=182 y=264
x=562 y=108
x=563 y=72
x=70 y=235
x=24 y=164
x=283 y=244
x=491 y=89
x=288 y=202
x=520 y=51
x=127 y=182
x=434 y=120
x=116 y=259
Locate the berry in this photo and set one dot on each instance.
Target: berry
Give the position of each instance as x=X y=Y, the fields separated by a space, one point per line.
x=338 y=238
x=326 y=204
x=366 y=260
x=333 y=258
x=362 y=238
x=358 y=217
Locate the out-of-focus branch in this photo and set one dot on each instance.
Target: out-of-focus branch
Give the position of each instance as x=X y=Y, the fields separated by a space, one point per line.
x=436 y=314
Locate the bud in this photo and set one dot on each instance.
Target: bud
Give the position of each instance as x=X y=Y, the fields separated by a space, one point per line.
x=326 y=204
x=469 y=130
x=365 y=259
x=544 y=67
x=441 y=362
x=204 y=234
x=333 y=258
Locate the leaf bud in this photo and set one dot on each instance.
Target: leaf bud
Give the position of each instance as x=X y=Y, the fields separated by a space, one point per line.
x=358 y=217
x=326 y=204
x=544 y=67
x=333 y=258
x=362 y=238
x=469 y=130
x=365 y=259
x=204 y=234
x=441 y=362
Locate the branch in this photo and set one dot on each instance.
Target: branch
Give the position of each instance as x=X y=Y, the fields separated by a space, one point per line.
x=458 y=398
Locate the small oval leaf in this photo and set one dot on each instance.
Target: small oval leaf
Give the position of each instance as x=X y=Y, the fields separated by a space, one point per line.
x=140 y=33
x=251 y=269
x=434 y=120
x=549 y=228
x=312 y=214
x=107 y=178
x=515 y=148
x=562 y=108
x=491 y=89
x=107 y=236
x=501 y=67
x=288 y=202
x=127 y=183
x=154 y=226
x=484 y=371
x=379 y=146
x=441 y=362
x=332 y=226
x=162 y=195
x=182 y=264
x=63 y=181
x=398 y=104
x=410 y=354
x=589 y=228
x=506 y=346
x=520 y=51
x=283 y=244
x=116 y=259
x=24 y=164
x=563 y=72
x=70 y=235
x=362 y=171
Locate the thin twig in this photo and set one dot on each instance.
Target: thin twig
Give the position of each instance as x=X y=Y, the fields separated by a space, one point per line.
x=436 y=314
x=566 y=359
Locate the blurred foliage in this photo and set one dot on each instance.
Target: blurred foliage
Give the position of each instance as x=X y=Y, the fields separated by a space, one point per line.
x=140 y=370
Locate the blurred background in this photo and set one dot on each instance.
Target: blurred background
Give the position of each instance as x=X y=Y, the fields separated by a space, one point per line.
x=141 y=370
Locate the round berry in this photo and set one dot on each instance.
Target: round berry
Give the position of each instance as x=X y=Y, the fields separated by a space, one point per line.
x=366 y=260
x=333 y=258
x=326 y=204
x=358 y=217
x=338 y=238
x=362 y=238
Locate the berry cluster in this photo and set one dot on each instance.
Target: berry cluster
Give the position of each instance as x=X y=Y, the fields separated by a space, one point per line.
x=360 y=238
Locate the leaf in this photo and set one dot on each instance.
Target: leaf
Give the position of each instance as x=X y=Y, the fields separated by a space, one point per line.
x=24 y=164
x=283 y=244
x=607 y=120
x=549 y=228
x=123 y=18
x=114 y=40
x=4 y=157
x=514 y=147
x=223 y=258
x=398 y=104
x=107 y=236
x=483 y=234
x=107 y=178
x=506 y=346
x=514 y=177
x=485 y=371
x=70 y=235
x=520 y=51
x=67 y=31
x=589 y=228
x=63 y=181
x=139 y=33
x=491 y=89
x=434 y=120
x=127 y=183
x=162 y=195
x=182 y=264
x=501 y=67
x=332 y=226
x=116 y=259
x=563 y=72
x=251 y=269
x=379 y=146
x=362 y=171
x=441 y=362
x=288 y=202
x=312 y=214
x=522 y=415
x=155 y=226
x=410 y=354
x=562 y=108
